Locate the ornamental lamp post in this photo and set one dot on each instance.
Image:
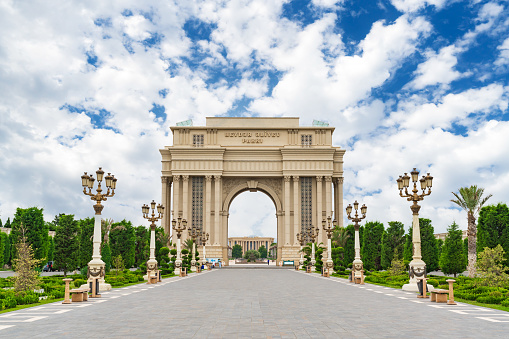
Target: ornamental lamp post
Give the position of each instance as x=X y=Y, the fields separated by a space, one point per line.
x=96 y=267
x=328 y=226
x=417 y=267
x=152 y=262
x=204 y=237
x=357 y=266
x=300 y=239
x=194 y=233
x=179 y=226
x=313 y=234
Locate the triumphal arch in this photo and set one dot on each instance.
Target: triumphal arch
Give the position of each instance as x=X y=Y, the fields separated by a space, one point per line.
x=296 y=166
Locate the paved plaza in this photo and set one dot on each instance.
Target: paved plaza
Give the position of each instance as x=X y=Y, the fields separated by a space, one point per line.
x=255 y=303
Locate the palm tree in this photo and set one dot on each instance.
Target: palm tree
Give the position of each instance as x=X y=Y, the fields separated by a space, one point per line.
x=471 y=200
x=339 y=237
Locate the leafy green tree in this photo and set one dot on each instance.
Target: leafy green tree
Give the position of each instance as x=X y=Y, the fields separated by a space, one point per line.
x=452 y=259
x=251 y=254
x=66 y=244
x=371 y=249
x=263 y=252
x=393 y=240
x=118 y=264
x=123 y=242
x=36 y=230
x=429 y=250
x=490 y=267
x=408 y=251
x=493 y=227
x=86 y=241
x=106 y=256
x=162 y=239
x=440 y=245
x=236 y=251
x=471 y=200
x=51 y=249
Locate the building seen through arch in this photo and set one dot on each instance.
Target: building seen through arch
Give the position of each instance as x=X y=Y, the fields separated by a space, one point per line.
x=296 y=166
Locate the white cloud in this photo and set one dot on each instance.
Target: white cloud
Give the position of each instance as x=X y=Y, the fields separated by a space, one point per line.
x=415 y=5
x=503 y=58
x=438 y=68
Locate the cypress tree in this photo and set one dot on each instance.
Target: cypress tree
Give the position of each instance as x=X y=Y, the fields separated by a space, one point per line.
x=371 y=248
x=349 y=246
x=106 y=256
x=51 y=249
x=493 y=228
x=8 y=250
x=429 y=248
x=3 y=239
x=452 y=259
x=1 y=223
x=123 y=242
x=393 y=240
x=86 y=241
x=408 y=251
x=66 y=244
x=142 y=243
x=8 y=223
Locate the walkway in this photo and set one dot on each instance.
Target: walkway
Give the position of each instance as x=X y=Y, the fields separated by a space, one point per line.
x=255 y=304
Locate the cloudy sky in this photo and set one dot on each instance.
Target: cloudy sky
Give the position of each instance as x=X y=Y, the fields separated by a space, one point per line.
x=406 y=83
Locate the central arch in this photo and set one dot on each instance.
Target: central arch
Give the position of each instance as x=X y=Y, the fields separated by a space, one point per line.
x=252 y=185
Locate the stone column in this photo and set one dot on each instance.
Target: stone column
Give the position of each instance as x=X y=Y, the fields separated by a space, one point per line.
x=166 y=202
x=185 y=199
x=328 y=197
x=217 y=202
x=417 y=265
x=208 y=195
x=176 y=199
x=287 y=210
x=296 y=211
x=319 y=214
x=339 y=216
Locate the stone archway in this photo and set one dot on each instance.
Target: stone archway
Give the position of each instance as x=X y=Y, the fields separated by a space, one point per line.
x=296 y=166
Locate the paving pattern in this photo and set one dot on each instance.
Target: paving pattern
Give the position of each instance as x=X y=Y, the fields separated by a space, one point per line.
x=255 y=304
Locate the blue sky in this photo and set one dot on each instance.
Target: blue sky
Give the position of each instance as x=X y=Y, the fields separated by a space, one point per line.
x=406 y=83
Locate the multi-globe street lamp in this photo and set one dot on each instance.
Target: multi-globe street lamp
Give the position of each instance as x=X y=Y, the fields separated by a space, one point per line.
x=357 y=266
x=152 y=262
x=328 y=226
x=417 y=267
x=179 y=226
x=194 y=233
x=204 y=237
x=300 y=239
x=96 y=267
x=313 y=234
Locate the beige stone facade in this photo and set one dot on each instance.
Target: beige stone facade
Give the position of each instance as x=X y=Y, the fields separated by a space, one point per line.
x=296 y=166
x=250 y=243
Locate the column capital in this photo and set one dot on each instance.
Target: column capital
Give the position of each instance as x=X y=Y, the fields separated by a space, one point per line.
x=176 y=178
x=208 y=178
x=185 y=177
x=319 y=178
x=164 y=179
x=328 y=179
x=287 y=178
x=296 y=178
x=217 y=177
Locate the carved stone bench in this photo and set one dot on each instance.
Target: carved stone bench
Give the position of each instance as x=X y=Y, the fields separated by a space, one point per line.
x=79 y=294
x=439 y=296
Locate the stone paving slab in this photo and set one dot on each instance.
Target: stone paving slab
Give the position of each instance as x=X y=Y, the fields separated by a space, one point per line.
x=255 y=304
